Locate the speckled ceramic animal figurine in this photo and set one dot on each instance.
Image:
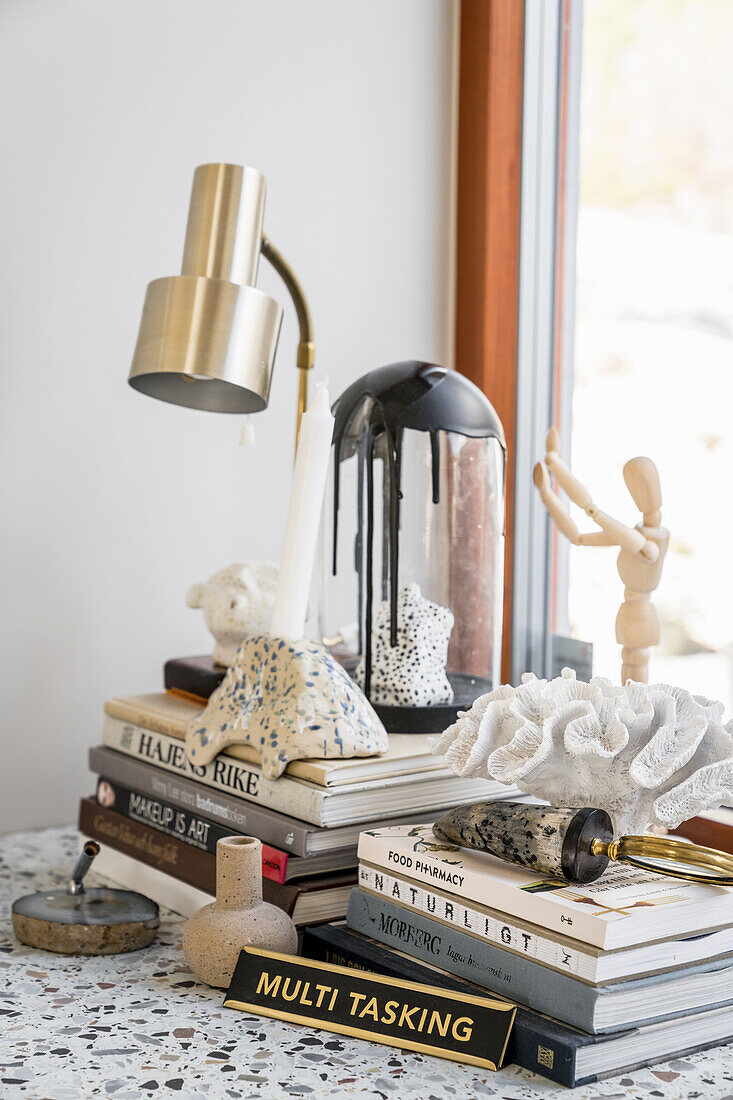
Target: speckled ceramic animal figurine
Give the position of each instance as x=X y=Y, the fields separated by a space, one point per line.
x=236 y=601
x=289 y=701
x=412 y=673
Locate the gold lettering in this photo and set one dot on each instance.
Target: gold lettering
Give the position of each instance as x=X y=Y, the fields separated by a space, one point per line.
x=295 y=992
x=333 y=999
x=271 y=989
x=355 y=998
x=388 y=1009
x=405 y=1016
x=440 y=1024
x=422 y=1019
x=304 y=994
x=103 y=826
x=323 y=989
x=370 y=1009
x=462 y=1034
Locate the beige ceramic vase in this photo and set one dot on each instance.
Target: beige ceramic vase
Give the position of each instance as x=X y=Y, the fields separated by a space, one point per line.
x=214 y=936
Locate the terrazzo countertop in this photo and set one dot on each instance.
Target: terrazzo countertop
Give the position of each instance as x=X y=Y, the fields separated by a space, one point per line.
x=139 y=1026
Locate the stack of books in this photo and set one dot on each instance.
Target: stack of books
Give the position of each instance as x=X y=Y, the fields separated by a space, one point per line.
x=158 y=818
x=629 y=970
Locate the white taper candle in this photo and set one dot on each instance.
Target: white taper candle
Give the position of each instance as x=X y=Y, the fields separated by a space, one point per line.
x=304 y=517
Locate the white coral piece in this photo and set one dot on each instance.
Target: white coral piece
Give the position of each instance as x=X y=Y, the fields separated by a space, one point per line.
x=649 y=755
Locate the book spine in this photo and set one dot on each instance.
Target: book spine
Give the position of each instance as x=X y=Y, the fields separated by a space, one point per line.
x=169 y=892
x=535 y=1043
x=160 y=815
x=473 y=885
x=167 y=854
x=187 y=794
x=225 y=773
x=185 y=826
x=519 y=979
x=194 y=679
x=711 y=834
x=563 y=957
x=126 y=711
x=149 y=846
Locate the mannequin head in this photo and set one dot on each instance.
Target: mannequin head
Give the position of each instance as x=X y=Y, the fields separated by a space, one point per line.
x=642 y=481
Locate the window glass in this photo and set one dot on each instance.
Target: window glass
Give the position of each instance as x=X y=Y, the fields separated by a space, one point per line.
x=654 y=321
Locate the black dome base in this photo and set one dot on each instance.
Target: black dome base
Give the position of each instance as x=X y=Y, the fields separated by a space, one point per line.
x=433 y=719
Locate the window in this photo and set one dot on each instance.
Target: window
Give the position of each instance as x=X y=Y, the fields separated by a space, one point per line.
x=653 y=355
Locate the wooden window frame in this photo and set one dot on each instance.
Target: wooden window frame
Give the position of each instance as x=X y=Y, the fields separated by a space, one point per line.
x=515 y=269
x=491 y=59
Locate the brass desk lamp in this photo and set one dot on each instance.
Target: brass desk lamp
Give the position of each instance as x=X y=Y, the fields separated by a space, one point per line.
x=208 y=337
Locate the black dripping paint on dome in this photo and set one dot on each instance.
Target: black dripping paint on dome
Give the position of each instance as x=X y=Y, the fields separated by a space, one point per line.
x=370 y=419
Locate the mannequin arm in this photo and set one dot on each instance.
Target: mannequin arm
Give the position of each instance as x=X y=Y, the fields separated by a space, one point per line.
x=568 y=481
x=597 y=538
x=628 y=538
x=615 y=532
x=553 y=504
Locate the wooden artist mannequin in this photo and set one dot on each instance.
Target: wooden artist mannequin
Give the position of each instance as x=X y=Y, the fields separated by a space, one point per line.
x=642 y=548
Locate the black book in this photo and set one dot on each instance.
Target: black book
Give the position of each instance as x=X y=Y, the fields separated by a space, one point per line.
x=198 y=676
x=554 y=1050
x=200 y=832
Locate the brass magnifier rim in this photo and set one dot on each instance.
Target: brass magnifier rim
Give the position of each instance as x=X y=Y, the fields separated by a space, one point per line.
x=642 y=851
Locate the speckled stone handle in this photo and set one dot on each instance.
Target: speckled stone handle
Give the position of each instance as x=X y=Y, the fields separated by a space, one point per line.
x=552 y=840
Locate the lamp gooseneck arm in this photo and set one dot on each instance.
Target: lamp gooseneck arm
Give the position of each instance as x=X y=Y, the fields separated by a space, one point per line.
x=306 y=346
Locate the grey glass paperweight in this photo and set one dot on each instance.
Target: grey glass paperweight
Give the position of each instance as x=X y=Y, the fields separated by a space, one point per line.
x=100 y=920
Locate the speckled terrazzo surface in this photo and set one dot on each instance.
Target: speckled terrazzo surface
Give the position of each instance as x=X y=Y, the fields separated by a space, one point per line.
x=139 y=1026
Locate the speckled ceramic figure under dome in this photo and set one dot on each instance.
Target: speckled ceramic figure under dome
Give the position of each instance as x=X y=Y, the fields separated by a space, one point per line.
x=411 y=597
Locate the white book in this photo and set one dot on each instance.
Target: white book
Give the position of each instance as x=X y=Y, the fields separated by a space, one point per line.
x=623 y=908
x=167 y=891
x=568 y=956
x=407 y=754
x=326 y=806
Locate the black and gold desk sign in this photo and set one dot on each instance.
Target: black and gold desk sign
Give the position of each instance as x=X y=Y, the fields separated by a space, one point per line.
x=369 y=1006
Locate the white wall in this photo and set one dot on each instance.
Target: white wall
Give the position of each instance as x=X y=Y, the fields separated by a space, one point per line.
x=113 y=503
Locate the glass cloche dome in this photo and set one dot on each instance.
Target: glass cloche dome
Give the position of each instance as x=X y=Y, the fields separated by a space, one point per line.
x=413 y=556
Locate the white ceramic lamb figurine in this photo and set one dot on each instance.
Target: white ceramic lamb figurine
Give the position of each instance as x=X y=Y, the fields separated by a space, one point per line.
x=236 y=602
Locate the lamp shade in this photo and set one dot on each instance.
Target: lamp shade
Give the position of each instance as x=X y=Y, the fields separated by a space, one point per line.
x=208 y=337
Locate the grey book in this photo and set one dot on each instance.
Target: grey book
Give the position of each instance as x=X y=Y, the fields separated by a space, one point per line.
x=269 y=826
x=329 y=804
x=596 y=1009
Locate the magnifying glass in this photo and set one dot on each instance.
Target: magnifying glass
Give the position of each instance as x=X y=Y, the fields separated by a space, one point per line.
x=668 y=857
x=575 y=844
